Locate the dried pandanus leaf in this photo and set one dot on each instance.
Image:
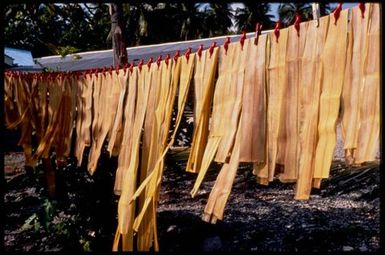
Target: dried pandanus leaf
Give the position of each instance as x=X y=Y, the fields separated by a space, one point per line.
x=254 y=105
x=368 y=137
x=56 y=90
x=226 y=108
x=126 y=210
x=152 y=183
x=66 y=119
x=277 y=79
x=205 y=70
x=84 y=116
x=121 y=80
x=108 y=100
x=310 y=82
x=129 y=117
x=333 y=61
x=221 y=190
x=288 y=139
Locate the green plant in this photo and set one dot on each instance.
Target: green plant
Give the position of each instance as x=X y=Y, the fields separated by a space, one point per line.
x=85 y=244
x=32 y=222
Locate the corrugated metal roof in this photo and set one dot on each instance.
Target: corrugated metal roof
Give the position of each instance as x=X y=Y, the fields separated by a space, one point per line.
x=99 y=59
x=20 y=57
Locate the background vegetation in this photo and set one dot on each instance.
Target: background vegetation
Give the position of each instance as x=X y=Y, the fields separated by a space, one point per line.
x=49 y=28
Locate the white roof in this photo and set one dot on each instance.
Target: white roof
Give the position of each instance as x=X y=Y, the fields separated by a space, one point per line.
x=103 y=58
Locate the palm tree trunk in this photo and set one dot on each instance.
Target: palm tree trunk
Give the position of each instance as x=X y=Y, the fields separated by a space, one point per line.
x=118 y=42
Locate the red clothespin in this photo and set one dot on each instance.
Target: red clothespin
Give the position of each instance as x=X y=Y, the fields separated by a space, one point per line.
x=258 y=29
x=176 y=56
x=140 y=64
x=242 y=40
x=226 y=44
x=337 y=12
x=362 y=8
x=150 y=62
x=278 y=26
x=131 y=68
x=104 y=70
x=125 y=68
x=167 y=59
x=199 y=52
x=117 y=68
x=296 y=22
x=211 y=50
x=187 y=54
x=110 y=70
x=158 y=60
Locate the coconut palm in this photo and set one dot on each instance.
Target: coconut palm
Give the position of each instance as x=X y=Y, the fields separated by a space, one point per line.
x=192 y=21
x=218 y=19
x=287 y=12
x=250 y=14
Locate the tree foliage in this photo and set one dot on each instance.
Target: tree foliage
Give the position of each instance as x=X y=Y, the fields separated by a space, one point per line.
x=253 y=12
x=287 y=12
x=46 y=29
x=51 y=28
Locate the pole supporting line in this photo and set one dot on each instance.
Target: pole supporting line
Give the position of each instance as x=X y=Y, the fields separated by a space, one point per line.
x=316 y=12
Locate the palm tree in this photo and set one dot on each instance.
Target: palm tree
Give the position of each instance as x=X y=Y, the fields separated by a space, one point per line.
x=287 y=12
x=192 y=21
x=250 y=14
x=324 y=9
x=218 y=19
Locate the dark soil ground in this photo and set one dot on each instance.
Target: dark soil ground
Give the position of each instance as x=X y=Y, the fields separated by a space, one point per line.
x=344 y=215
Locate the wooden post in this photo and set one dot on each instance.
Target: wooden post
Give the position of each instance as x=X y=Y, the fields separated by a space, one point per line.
x=316 y=12
x=118 y=42
x=50 y=177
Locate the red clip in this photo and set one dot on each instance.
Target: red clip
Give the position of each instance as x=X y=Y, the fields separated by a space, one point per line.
x=176 y=56
x=111 y=68
x=337 y=13
x=278 y=26
x=117 y=69
x=242 y=40
x=199 y=52
x=296 y=22
x=188 y=52
x=104 y=71
x=149 y=62
x=167 y=59
x=131 y=68
x=211 y=50
x=140 y=64
x=362 y=8
x=158 y=60
x=258 y=29
x=226 y=45
x=125 y=68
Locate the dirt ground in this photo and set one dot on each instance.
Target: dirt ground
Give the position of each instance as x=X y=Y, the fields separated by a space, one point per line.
x=343 y=215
